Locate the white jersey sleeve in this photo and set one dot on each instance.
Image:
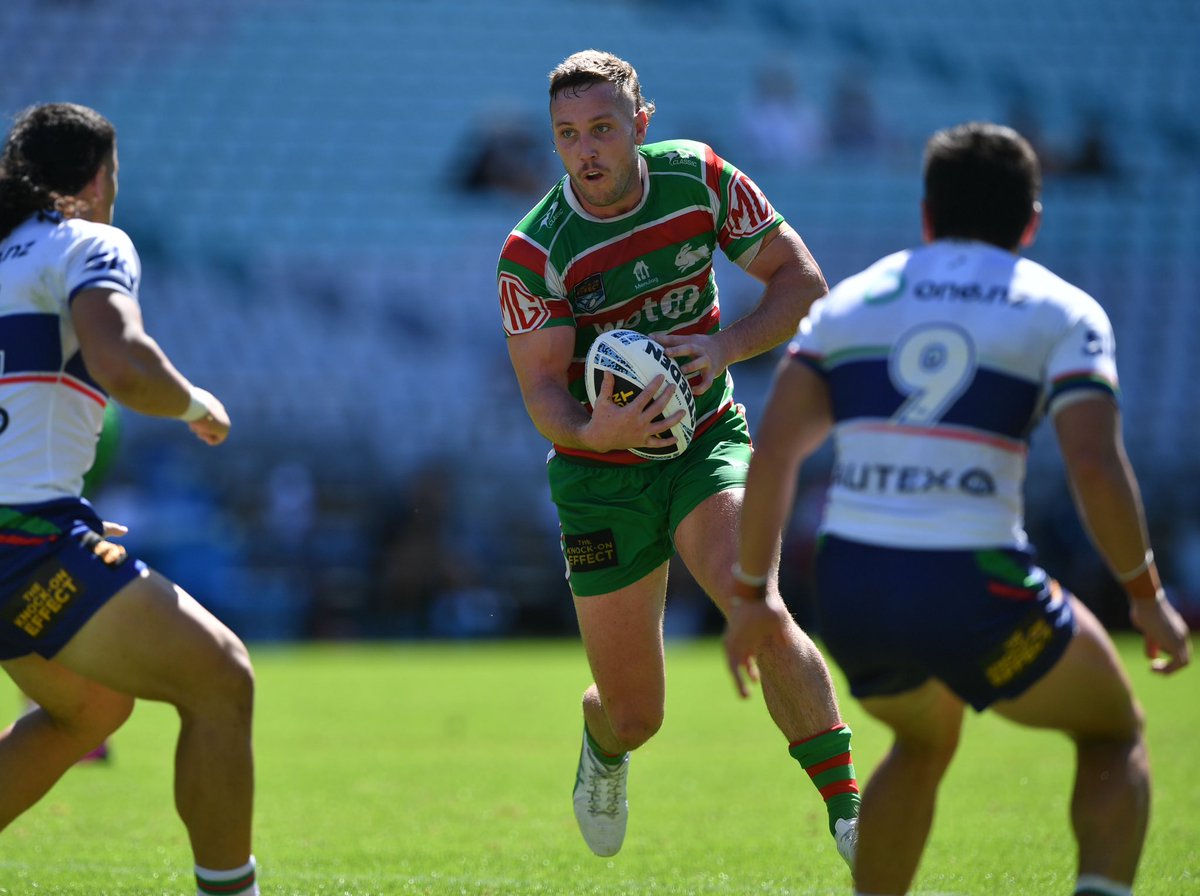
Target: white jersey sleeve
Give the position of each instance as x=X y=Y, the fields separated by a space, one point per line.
x=1083 y=363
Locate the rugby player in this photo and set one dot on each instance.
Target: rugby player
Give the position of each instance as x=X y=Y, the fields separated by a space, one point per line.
x=930 y=369
x=626 y=240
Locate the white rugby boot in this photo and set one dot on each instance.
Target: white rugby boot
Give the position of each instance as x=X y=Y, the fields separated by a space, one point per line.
x=845 y=834
x=601 y=807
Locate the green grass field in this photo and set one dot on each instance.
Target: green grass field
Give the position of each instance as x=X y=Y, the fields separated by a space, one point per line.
x=447 y=769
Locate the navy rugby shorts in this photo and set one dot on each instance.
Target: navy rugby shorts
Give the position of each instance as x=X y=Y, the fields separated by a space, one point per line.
x=986 y=623
x=52 y=581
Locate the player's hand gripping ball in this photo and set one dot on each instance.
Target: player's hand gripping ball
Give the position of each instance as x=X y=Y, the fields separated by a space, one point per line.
x=634 y=360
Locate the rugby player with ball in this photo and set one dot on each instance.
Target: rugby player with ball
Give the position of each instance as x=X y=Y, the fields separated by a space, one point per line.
x=641 y=469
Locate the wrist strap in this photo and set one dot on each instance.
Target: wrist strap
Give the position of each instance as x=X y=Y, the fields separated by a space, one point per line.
x=747 y=587
x=746 y=579
x=198 y=405
x=1127 y=577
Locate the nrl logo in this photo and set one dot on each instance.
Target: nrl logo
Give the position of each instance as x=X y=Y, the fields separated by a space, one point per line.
x=589 y=294
x=681 y=157
x=687 y=256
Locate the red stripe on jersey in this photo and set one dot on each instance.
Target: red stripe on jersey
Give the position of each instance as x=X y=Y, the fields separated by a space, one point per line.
x=689 y=225
x=80 y=387
x=625 y=311
x=53 y=379
x=626 y=458
x=623 y=458
x=519 y=250
x=1013 y=446
x=713 y=164
x=703 y=325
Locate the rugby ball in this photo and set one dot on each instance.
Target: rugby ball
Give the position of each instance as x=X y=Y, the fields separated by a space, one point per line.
x=634 y=360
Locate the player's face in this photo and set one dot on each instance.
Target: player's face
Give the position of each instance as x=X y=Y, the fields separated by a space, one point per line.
x=103 y=191
x=596 y=134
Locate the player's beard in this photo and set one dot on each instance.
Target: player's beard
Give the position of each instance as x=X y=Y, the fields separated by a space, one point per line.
x=616 y=187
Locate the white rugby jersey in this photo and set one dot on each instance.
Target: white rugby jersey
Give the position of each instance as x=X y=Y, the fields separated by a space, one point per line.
x=51 y=410
x=940 y=362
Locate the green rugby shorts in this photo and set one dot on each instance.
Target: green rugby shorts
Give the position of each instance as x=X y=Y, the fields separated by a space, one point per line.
x=618 y=522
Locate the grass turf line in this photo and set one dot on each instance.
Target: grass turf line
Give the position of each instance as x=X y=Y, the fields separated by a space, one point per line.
x=446 y=769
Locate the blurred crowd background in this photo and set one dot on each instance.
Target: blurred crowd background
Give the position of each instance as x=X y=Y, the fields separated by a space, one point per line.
x=319 y=190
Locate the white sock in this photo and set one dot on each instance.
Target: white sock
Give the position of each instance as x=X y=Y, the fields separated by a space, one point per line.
x=241 y=881
x=1101 y=884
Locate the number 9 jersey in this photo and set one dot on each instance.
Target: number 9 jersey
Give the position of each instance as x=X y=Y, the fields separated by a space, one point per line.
x=940 y=362
x=51 y=410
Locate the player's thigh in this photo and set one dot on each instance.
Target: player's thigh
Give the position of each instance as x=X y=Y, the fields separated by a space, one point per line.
x=1086 y=693
x=707 y=542
x=67 y=696
x=153 y=640
x=927 y=717
x=706 y=500
x=623 y=637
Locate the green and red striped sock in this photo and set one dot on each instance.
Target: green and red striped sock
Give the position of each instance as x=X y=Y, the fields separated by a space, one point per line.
x=234 y=882
x=826 y=758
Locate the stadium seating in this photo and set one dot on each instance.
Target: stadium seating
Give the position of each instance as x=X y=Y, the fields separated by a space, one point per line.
x=289 y=171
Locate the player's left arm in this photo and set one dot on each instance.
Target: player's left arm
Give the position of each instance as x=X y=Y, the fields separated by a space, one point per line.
x=792 y=280
x=1109 y=501
x=131 y=366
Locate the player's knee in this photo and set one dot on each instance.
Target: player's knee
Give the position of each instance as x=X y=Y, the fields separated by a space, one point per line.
x=1122 y=730
x=96 y=715
x=933 y=746
x=229 y=680
x=926 y=760
x=635 y=728
x=108 y=712
x=239 y=676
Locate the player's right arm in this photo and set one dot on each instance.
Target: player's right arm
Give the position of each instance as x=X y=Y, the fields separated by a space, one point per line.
x=129 y=364
x=796 y=421
x=541 y=359
x=1110 y=505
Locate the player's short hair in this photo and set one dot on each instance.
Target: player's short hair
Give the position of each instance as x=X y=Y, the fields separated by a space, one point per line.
x=588 y=67
x=52 y=151
x=982 y=181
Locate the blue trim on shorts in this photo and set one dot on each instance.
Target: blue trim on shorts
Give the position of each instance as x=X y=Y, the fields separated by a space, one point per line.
x=988 y=623
x=53 y=584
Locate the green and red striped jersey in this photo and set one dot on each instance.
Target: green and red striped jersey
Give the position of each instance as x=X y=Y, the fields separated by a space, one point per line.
x=650 y=269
